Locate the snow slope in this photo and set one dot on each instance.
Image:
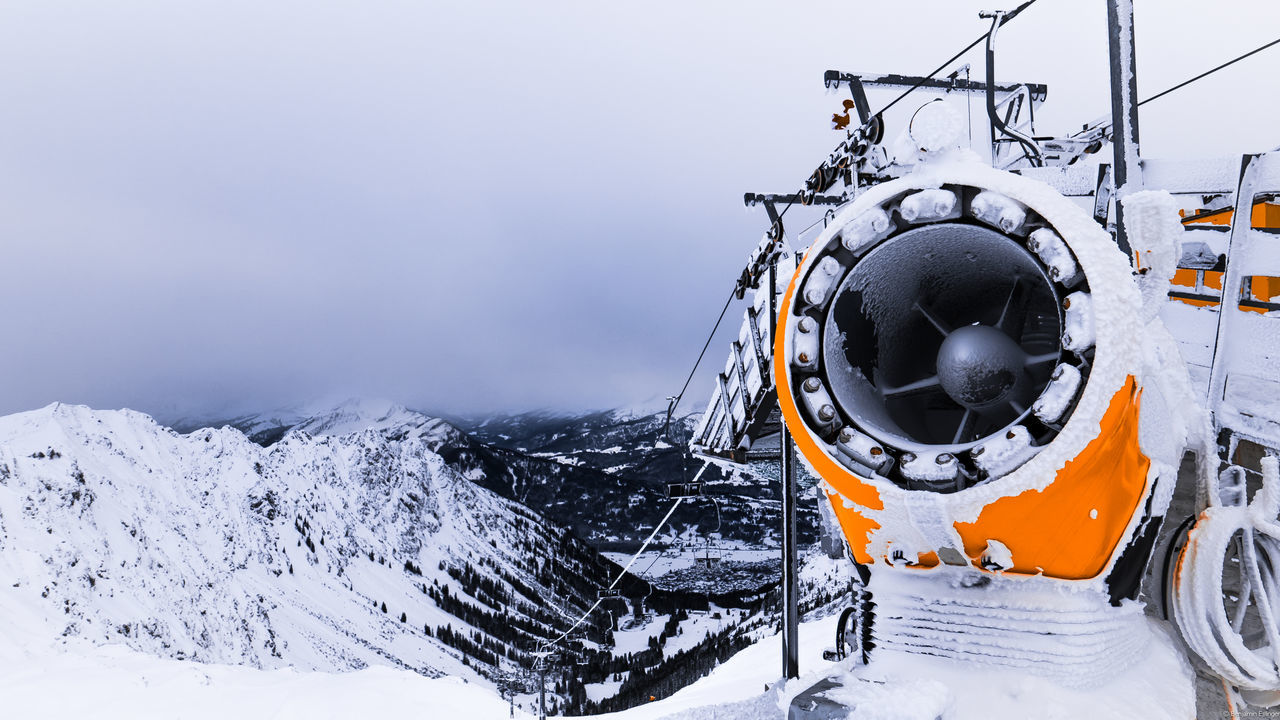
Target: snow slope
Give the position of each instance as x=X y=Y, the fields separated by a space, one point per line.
x=117 y=682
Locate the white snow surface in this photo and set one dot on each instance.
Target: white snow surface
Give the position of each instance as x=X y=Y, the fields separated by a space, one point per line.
x=117 y=683
x=73 y=678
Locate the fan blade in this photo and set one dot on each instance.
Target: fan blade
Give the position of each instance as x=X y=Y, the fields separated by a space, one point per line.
x=934 y=320
x=1040 y=359
x=1008 y=305
x=965 y=429
x=918 y=387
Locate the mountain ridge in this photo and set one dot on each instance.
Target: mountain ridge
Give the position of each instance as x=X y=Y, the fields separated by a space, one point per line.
x=136 y=533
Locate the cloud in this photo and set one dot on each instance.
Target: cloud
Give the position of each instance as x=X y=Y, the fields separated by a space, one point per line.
x=463 y=206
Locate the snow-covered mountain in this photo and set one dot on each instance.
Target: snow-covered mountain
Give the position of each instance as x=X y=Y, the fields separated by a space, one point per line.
x=320 y=552
x=316 y=418
x=362 y=544
x=640 y=453
x=604 y=474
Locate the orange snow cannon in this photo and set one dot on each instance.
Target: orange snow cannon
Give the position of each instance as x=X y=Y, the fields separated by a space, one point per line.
x=965 y=361
x=959 y=360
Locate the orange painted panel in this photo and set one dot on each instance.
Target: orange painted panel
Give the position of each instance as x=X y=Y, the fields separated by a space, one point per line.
x=1264 y=215
x=855 y=526
x=1071 y=528
x=1184 y=277
x=1264 y=288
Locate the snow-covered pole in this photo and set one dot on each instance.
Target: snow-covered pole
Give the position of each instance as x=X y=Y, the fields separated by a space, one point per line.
x=1127 y=168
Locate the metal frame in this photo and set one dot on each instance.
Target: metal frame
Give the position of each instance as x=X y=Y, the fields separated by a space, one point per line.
x=1126 y=169
x=833 y=79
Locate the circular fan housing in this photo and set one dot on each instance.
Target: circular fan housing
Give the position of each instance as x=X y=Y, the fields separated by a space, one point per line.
x=941 y=335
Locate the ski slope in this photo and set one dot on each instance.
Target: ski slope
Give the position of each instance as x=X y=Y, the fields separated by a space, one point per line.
x=73 y=678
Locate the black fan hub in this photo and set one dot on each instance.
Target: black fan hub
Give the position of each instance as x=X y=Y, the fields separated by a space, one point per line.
x=979 y=366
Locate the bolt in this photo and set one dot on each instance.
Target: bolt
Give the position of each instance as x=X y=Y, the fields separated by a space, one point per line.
x=813 y=297
x=908 y=458
x=944 y=458
x=812 y=384
x=826 y=412
x=1055 y=273
x=805 y=325
x=846 y=435
x=1057 y=373
x=978 y=451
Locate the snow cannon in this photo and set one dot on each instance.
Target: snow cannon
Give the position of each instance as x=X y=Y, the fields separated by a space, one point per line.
x=960 y=361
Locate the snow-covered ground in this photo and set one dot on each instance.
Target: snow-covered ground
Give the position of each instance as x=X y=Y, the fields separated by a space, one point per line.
x=72 y=678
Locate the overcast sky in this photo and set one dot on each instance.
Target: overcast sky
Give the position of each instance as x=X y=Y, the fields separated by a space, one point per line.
x=208 y=207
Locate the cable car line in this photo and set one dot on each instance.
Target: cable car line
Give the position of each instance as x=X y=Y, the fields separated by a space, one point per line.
x=616 y=580
x=671 y=409
x=1207 y=73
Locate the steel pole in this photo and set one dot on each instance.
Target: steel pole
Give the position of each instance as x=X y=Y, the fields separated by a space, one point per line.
x=542 y=693
x=786 y=463
x=790 y=600
x=1127 y=168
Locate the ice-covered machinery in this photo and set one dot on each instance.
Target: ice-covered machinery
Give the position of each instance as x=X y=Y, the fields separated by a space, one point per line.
x=959 y=360
x=993 y=389
x=963 y=360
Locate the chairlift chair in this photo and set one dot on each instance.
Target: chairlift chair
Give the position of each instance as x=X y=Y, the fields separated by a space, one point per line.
x=684 y=490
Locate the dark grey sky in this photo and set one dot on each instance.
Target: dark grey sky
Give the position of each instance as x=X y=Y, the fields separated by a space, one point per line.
x=214 y=206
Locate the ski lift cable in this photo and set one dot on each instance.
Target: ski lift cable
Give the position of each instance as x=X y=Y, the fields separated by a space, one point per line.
x=671 y=409
x=1207 y=73
x=617 y=579
x=1104 y=123
x=981 y=38
x=655 y=562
